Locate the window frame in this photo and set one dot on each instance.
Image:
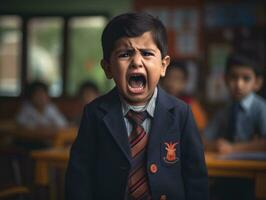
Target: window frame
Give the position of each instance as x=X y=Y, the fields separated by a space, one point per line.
x=65 y=34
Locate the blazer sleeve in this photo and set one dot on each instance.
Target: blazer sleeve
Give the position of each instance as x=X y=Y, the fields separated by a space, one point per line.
x=79 y=179
x=193 y=164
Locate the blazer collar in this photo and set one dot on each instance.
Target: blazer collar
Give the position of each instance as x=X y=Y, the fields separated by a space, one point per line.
x=114 y=121
x=112 y=100
x=163 y=119
x=163 y=122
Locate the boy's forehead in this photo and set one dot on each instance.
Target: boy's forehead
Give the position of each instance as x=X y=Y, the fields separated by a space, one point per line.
x=242 y=69
x=143 y=41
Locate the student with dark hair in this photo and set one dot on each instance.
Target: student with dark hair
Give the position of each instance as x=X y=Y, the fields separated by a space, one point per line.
x=241 y=125
x=136 y=142
x=175 y=79
x=175 y=82
x=37 y=112
x=88 y=91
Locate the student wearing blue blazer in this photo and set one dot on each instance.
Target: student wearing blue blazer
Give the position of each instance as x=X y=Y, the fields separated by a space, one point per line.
x=136 y=142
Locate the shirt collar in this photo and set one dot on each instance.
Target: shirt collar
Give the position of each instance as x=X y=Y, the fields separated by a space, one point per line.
x=247 y=101
x=149 y=107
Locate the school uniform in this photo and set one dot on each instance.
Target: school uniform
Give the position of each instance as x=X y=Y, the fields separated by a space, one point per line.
x=30 y=117
x=100 y=158
x=237 y=122
x=249 y=120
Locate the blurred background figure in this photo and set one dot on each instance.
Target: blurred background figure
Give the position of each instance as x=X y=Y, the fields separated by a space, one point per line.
x=240 y=126
x=87 y=92
x=38 y=116
x=175 y=83
x=38 y=112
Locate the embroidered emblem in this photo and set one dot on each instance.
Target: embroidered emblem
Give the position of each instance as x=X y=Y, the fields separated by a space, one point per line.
x=170 y=153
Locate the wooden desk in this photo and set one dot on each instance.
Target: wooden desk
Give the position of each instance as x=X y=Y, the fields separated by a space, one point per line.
x=65 y=137
x=251 y=169
x=57 y=157
x=50 y=136
x=47 y=161
x=216 y=168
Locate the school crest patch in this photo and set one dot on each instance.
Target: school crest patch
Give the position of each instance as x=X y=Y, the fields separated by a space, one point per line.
x=170 y=157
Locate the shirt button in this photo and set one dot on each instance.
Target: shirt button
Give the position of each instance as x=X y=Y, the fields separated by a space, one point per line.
x=153 y=168
x=163 y=197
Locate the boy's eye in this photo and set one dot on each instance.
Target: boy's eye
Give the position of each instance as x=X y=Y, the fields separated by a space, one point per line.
x=246 y=78
x=147 y=53
x=124 y=54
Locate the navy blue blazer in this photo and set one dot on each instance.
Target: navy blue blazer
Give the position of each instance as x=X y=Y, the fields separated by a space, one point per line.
x=99 y=162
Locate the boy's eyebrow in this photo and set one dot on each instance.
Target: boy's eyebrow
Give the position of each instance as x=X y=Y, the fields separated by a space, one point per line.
x=147 y=49
x=123 y=50
x=129 y=49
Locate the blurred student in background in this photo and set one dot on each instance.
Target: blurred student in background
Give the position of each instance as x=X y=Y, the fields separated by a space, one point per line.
x=175 y=82
x=38 y=112
x=241 y=125
x=88 y=91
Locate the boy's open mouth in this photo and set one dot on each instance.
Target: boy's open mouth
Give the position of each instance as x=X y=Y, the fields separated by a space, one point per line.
x=137 y=82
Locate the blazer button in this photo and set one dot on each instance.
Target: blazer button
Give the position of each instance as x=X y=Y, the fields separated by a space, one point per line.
x=153 y=168
x=163 y=197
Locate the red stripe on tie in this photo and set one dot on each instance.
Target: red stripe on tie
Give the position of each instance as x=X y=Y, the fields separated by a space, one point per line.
x=136 y=140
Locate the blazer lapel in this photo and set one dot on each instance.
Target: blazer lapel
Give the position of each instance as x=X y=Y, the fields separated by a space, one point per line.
x=114 y=121
x=163 y=122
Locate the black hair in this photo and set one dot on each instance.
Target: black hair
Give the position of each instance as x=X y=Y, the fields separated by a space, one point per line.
x=88 y=85
x=133 y=25
x=34 y=86
x=179 y=65
x=245 y=60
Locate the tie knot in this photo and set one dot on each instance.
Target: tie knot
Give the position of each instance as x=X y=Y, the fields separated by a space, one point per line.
x=136 y=117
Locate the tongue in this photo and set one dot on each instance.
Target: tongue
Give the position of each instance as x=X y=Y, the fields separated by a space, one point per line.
x=136 y=83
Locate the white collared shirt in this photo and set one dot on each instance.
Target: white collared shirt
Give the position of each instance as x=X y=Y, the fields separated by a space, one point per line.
x=251 y=120
x=247 y=102
x=31 y=118
x=149 y=107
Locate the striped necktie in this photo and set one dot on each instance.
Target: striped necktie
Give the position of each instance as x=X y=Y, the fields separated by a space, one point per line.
x=138 y=187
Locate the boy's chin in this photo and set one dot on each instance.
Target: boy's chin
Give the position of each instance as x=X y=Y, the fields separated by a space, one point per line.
x=239 y=97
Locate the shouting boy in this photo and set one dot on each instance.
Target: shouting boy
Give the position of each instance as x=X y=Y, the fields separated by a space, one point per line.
x=136 y=142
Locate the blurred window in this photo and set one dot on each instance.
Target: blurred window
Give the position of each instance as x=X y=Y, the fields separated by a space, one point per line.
x=45 y=51
x=10 y=53
x=44 y=42
x=85 y=53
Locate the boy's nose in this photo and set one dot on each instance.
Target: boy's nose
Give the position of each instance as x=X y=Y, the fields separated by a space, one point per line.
x=136 y=60
x=240 y=83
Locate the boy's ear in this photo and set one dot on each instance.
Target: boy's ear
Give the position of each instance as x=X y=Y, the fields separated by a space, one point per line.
x=106 y=68
x=226 y=79
x=259 y=83
x=165 y=63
